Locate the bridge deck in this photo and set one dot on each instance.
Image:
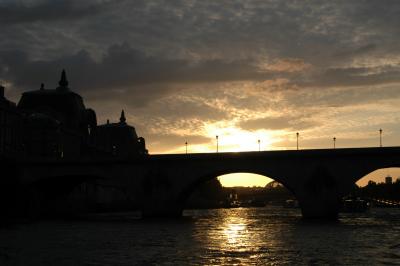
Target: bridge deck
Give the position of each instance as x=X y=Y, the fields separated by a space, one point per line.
x=225 y=155
x=283 y=153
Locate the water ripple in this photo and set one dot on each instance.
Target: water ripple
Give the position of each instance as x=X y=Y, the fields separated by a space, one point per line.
x=243 y=236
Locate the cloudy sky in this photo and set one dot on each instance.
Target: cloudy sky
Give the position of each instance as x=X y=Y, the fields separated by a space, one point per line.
x=243 y=70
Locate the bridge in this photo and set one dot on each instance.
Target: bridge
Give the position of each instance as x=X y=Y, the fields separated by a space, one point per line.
x=162 y=183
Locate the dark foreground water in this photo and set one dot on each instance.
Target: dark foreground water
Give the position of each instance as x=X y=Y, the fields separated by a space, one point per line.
x=243 y=236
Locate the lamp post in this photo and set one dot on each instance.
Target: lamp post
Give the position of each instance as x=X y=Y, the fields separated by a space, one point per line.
x=334 y=142
x=380 y=137
x=297 y=137
x=217 y=142
x=186 y=146
x=259 y=147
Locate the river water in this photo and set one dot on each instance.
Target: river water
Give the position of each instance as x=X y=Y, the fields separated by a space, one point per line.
x=241 y=236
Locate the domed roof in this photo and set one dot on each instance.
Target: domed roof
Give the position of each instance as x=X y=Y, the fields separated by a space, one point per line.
x=120 y=128
x=67 y=106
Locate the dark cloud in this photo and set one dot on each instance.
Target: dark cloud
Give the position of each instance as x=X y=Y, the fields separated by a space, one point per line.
x=356 y=76
x=357 y=51
x=198 y=41
x=123 y=66
x=312 y=99
x=49 y=10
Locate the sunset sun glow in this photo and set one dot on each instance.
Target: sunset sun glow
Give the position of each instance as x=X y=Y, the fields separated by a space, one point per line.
x=244 y=180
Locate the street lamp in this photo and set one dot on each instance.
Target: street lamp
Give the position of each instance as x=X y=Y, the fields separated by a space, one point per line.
x=380 y=137
x=259 y=147
x=217 y=142
x=186 y=146
x=297 y=136
x=334 y=142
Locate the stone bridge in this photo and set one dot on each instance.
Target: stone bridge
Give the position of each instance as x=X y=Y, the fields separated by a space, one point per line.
x=162 y=183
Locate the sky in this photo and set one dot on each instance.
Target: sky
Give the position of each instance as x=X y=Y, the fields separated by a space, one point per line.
x=244 y=70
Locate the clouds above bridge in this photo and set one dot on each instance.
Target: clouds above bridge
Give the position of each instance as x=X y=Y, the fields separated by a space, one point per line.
x=194 y=68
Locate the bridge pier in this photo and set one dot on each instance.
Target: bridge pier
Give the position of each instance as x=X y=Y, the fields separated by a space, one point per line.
x=319 y=196
x=159 y=197
x=320 y=208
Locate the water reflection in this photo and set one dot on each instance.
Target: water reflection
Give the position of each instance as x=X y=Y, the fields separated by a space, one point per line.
x=265 y=236
x=234 y=232
x=237 y=236
x=276 y=236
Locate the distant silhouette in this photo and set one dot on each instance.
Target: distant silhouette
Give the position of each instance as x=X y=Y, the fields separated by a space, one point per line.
x=389 y=191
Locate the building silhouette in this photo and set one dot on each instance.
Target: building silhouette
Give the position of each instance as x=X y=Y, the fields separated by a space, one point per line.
x=120 y=138
x=388 y=180
x=55 y=123
x=10 y=127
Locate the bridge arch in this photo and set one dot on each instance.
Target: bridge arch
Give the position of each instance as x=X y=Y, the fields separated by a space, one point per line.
x=359 y=176
x=379 y=175
x=380 y=187
x=189 y=189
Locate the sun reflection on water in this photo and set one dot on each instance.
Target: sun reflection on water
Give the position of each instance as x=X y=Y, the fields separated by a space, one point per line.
x=236 y=237
x=234 y=231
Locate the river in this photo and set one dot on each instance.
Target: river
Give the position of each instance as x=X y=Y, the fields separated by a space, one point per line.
x=240 y=236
